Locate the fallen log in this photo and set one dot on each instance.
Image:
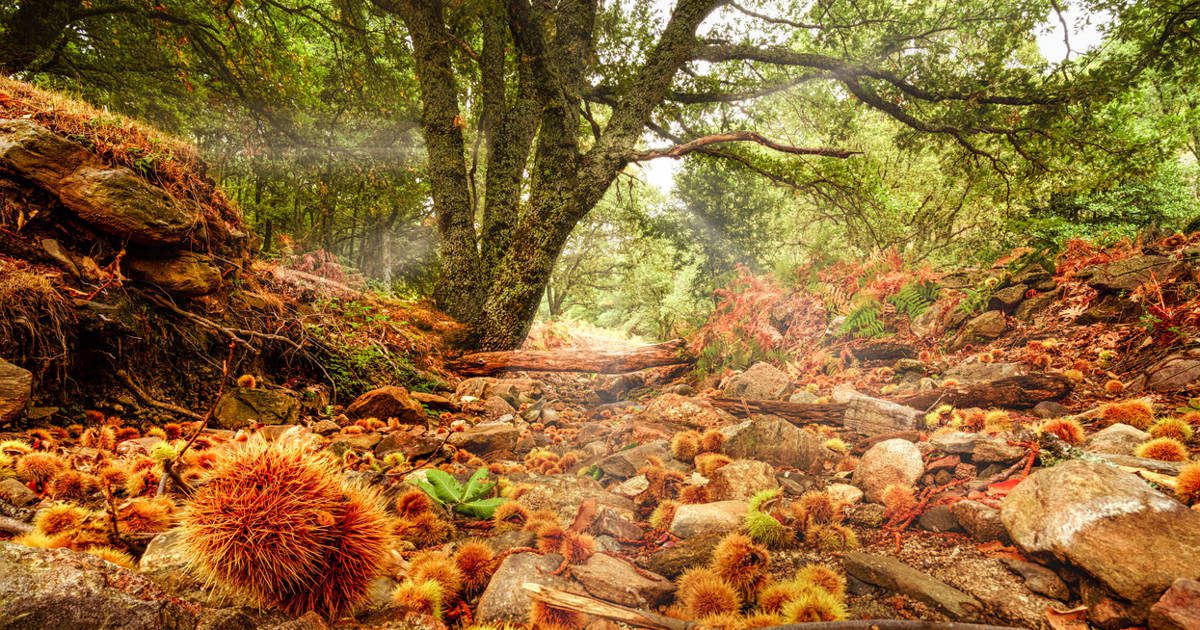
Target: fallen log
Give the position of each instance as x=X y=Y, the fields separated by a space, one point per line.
x=1014 y=392
x=796 y=413
x=600 y=362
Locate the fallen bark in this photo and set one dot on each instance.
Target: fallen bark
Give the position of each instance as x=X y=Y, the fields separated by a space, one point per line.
x=797 y=413
x=489 y=363
x=1014 y=392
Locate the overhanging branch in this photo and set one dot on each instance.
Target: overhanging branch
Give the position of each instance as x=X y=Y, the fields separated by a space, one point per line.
x=681 y=150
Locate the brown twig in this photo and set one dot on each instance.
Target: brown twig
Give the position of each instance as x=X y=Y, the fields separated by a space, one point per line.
x=201 y=424
x=145 y=398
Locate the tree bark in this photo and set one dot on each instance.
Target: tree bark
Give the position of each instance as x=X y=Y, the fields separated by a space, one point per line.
x=1014 y=392
x=489 y=363
x=796 y=413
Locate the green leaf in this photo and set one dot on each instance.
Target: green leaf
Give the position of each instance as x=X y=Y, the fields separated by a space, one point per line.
x=446 y=486
x=477 y=486
x=483 y=508
x=429 y=490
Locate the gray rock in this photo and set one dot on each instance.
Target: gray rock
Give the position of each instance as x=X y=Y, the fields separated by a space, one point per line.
x=671 y=561
x=1103 y=520
x=513 y=390
x=1008 y=298
x=562 y=495
x=873 y=416
x=16 y=493
x=901 y=578
x=121 y=203
x=699 y=518
x=777 y=442
x=762 y=381
x=802 y=396
x=610 y=522
x=59 y=588
x=985 y=327
x=1178 y=608
x=16 y=388
x=1130 y=273
x=939 y=519
x=1116 y=439
x=625 y=464
x=1049 y=409
x=956 y=442
x=889 y=462
x=493 y=439
x=37 y=153
x=241 y=405
x=165 y=563
x=614 y=580
x=325 y=427
x=1039 y=579
x=981 y=521
x=504 y=599
x=1179 y=371
x=187 y=273
x=996 y=450
x=391 y=401
x=1031 y=307
x=741 y=479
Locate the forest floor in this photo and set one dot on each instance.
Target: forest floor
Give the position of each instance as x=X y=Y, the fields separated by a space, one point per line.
x=219 y=441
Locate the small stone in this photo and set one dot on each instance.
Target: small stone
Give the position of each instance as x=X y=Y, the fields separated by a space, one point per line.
x=187 y=273
x=844 y=493
x=889 y=462
x=762 y=381
x=1049 y=409
x=16 y=492
x=1116 y=439
x=625 y=464
x=996 y=450
x=721 y=516
x=1178 y=608
x=325 y=427
x=981 y=521
x=985 y=327
x=939 y=519
x=777 y=442
x=240 y=406
x=631 y=487
x=610 y=522
x=1039 y=579
x=741 y=479
x=614 y=580
x=387 y=402
x=673 y=560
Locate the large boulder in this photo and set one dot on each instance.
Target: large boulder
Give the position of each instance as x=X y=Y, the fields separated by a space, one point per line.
x=777 y=442
x=38 y=154
x=59 y=588
x=121 y=203
x=889 y=462
x=1178 y=371
x=16 y=387
x=1109 y=523
x=187 y=273
x=762 y=381
x=390 y=401
x=240 y=406
x=505 y=601
x=680 y=413
x=985 y=327
x=1130 y=273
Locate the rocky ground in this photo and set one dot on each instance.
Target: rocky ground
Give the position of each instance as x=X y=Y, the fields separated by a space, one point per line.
x=1016 y=452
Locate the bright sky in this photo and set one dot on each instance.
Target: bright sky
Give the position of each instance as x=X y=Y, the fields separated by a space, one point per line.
x=1085 y=34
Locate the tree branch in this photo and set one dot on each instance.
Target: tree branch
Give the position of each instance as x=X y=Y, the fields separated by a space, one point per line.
x=680 y=150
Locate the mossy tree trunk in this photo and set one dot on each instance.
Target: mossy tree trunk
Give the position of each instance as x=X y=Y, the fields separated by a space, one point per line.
x=533 y=69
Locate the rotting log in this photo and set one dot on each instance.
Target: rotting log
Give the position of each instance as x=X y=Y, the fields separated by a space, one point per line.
x=1014 y=392
x=796 y=413
x=597 y=361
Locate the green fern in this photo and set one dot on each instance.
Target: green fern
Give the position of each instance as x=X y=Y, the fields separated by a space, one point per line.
x=864 y=321
x=915 y=298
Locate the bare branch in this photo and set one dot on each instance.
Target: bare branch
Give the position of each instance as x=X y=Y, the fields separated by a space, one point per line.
x=680 y=150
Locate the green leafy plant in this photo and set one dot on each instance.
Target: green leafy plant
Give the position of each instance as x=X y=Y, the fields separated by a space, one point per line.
x=470 y=499
x=864 y=321
x=915 y=298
